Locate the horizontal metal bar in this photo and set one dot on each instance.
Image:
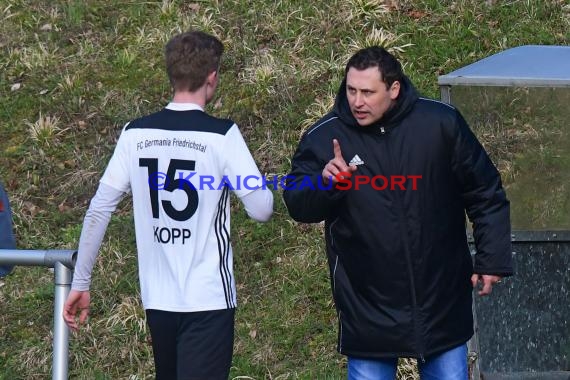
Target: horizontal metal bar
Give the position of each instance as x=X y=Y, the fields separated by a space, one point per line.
x=502 y=82
x=521 y=236
x=553 y=375
x=47 y=258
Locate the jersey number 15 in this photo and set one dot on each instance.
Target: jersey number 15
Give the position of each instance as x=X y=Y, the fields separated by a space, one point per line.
x=171 y=183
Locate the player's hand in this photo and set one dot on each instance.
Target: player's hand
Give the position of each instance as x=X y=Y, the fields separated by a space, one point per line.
x=76 y=301
x=336 y=165
x=485 y=283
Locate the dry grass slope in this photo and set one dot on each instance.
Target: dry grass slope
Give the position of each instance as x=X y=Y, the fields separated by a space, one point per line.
x=73 y=72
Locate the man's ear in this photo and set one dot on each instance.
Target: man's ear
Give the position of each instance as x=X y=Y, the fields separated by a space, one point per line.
x=394 y=90
x=212 y=77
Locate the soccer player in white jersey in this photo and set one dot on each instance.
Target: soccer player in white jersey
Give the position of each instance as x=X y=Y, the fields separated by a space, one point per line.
x=180 y=164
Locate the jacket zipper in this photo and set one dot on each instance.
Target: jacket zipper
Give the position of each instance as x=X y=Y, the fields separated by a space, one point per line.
x=402 y=221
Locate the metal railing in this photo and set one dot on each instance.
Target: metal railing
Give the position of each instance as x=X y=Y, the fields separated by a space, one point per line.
x=63 y=262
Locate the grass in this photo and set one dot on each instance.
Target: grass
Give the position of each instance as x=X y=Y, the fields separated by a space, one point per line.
x=73 y=72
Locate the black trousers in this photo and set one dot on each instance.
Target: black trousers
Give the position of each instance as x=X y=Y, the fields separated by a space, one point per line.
x=192 y=346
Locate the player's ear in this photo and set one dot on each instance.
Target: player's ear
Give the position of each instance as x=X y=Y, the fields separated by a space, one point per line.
x=212 y=78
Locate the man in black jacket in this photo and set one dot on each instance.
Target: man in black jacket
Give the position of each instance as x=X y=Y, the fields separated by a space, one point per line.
x=392 y=175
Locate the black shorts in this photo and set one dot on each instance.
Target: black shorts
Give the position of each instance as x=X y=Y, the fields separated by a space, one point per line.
x=192 y=346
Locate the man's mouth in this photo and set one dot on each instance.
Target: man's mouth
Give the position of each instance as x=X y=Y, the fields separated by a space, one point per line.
x=360 y=114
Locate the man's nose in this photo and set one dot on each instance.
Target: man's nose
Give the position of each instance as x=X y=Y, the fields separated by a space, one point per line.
x=358 y=100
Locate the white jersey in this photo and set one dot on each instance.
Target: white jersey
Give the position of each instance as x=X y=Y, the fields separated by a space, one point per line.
x=180 y=164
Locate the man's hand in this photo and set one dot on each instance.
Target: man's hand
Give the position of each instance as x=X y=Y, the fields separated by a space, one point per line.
x=487 y=281
x=76 y=301
x=336 y=166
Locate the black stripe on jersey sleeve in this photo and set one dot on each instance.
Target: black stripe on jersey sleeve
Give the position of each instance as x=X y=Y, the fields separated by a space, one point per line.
x=193 y=120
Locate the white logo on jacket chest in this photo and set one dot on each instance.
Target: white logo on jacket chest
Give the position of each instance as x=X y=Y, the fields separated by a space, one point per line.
x=356 y=160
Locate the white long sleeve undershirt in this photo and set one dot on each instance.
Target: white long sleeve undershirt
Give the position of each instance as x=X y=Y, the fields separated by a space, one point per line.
x=95 y=224
x=258 y=204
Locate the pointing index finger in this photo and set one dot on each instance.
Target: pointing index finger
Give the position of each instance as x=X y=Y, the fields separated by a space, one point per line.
x=336 y=149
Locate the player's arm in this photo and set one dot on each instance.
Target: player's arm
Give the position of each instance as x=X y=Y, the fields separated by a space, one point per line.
x=259 y=204
x=239 y=163
x=113 y=184
x=95 y=224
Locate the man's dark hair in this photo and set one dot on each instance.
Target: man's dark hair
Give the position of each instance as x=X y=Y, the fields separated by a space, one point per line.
x=376 y=56
x=190 y=58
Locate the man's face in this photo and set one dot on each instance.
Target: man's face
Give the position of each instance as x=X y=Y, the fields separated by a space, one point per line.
x=368 y=96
